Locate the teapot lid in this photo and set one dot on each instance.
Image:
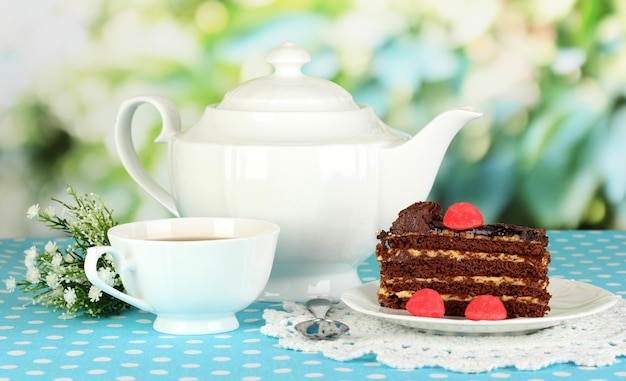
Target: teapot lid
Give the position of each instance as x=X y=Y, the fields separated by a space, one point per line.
x=288 y=89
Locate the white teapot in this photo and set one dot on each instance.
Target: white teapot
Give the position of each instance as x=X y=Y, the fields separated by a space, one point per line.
x=298 y=151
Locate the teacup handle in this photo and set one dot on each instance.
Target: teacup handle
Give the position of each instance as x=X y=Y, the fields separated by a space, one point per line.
x=126 y=149
x=91 y=270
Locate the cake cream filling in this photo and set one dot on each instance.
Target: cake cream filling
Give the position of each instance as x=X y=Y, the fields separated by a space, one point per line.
x=493 y=280
x=466 y=255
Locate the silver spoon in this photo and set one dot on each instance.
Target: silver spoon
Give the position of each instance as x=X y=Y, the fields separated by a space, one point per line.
x=321 y=328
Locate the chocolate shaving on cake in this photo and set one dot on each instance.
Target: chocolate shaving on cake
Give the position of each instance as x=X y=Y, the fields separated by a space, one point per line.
x=417 y=218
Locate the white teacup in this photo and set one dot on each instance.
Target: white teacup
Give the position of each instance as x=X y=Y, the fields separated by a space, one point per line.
x=193 y=273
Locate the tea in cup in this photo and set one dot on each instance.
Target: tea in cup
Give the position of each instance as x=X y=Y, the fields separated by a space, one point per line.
x=193 y=273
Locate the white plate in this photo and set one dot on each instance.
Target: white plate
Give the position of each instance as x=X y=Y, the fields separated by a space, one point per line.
x=570 y=300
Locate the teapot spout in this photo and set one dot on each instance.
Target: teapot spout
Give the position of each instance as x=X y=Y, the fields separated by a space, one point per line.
x=408 y=171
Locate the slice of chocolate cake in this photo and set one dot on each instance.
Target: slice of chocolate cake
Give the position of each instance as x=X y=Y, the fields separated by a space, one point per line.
x=506 y=261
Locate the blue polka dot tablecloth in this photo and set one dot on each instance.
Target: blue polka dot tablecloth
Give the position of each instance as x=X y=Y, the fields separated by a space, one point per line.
x=38 y=344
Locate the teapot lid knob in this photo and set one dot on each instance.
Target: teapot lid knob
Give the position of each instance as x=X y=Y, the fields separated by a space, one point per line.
x=288 y=59
x=288 y=89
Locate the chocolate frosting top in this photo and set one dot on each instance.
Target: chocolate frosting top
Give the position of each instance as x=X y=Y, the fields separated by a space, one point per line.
x=425 y=217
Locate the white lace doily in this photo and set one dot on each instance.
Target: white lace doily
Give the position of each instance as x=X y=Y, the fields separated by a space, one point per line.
x=593 y=341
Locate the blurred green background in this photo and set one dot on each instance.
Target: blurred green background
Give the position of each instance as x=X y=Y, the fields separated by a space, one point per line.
x=549 y=75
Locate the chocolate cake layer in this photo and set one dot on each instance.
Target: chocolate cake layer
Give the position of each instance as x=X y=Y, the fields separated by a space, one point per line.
x=507 y=261
x=447 y=239
x=429 y=263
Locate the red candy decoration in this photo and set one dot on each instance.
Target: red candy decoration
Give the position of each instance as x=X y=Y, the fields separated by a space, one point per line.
x=462 y=216
x=485 y=307
x=427 y=303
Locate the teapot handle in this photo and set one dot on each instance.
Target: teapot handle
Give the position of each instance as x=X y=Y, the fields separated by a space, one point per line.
x=126 y=149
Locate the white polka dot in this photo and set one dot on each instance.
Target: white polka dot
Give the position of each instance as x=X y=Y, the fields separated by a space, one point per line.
x=125 y=378
x=133 y=352
x=129 y=365
x=251 y=340
x=74 y=353
x=190 y=366
x=251 y=352
x=84 y=331
x=344 y=370
x=282 y=370
x=252 y=365
x=501 y=375
x=314 y=375
x=102 y=359
x=220 y=373
x=54 y=337
x=42 y=361
x=160 y=372
x=16 y=353
x=376 y=376
x=562 y=374
x=97 y=371
x=251 y=378
x=192 y=352
x=161 y=359
x=221 y=359
x=438 y=376
x=35 y=373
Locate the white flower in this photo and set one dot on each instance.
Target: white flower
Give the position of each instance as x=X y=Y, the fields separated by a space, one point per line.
x=57 y=260
x=10 y=284
x=33 y=275
x=32 y=212
x=51 y=247
x=70 y=296
x=106 y=275
x=50 y=212
x=52 y=280
x=108 y=257
x=30 y=257
x=94 y=294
